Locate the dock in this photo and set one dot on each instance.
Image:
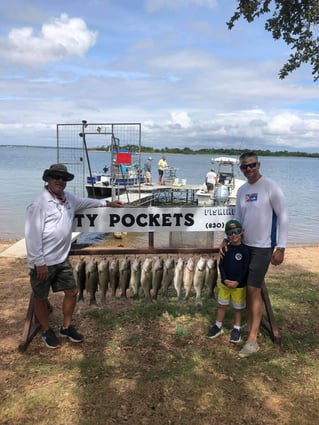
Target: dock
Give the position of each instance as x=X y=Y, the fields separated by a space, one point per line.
x=157 y=194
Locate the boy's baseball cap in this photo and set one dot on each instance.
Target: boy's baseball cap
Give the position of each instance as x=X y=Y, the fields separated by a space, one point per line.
x=232 y=224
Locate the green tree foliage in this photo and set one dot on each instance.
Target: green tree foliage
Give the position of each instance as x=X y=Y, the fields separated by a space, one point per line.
x=294 y=21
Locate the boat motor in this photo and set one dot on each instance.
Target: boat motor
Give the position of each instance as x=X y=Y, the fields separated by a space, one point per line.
x=221 y=195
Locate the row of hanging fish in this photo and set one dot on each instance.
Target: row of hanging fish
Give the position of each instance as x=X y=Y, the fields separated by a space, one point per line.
x=149 y=276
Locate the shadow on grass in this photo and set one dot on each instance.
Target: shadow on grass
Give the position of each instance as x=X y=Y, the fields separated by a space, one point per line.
x=152 y=364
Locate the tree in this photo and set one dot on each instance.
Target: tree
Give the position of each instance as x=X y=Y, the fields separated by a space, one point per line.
x=294 y=21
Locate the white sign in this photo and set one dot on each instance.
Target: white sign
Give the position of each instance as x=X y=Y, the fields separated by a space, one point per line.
x=153 y=219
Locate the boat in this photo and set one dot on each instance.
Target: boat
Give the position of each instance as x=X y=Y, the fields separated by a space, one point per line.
x=226 y=189
x=116 y=179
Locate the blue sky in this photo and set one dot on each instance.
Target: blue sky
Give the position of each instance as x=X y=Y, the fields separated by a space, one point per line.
x=172 y=66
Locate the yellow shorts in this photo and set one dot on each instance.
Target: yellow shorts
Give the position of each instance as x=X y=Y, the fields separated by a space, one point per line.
x=236 y=296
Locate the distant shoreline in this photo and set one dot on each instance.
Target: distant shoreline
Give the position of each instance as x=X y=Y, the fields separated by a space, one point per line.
x=187 y=151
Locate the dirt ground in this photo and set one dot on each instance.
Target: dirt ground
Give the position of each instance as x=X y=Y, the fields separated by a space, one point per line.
x=15 y=293
x=15 y=290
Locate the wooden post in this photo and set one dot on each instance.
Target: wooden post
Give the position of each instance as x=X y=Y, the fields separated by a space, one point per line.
x=269 y=325
x=31 y=325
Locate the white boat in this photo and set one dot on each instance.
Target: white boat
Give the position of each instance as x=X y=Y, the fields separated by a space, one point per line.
x=123 y=173
x=227 y=186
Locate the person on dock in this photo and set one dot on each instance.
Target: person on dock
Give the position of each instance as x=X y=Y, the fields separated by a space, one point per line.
x=262 y=211
x=148 y=171
x=211 y=180
x=233 y=267
x=162 y=165
x=48 y=237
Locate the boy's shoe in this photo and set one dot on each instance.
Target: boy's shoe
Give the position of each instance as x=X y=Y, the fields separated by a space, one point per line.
x=50 y=339
x=215 y=331
x=71 y=333
x=248 y=349
x=235 y=336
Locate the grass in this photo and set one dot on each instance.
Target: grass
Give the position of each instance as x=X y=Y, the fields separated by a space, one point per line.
x=152 y=364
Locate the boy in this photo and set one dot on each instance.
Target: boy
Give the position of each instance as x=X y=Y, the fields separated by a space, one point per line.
x=233 y=269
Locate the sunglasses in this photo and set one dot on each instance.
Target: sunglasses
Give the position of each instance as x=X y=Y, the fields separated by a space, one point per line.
x=58 y=177
x=245 y=166
x=233 y=232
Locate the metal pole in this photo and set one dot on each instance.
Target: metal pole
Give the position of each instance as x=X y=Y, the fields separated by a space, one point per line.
x=84 y=124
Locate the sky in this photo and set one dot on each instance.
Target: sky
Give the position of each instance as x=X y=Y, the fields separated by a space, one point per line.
x=171 y=65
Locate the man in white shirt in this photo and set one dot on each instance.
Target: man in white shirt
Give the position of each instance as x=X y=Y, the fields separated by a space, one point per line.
x=262 y=210
x=211 y=180
x=48 y=236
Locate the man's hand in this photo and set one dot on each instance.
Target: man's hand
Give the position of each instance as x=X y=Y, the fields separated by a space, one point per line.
x=115 y=204
x=277 y=257
x=222 y=249
x=42 y=272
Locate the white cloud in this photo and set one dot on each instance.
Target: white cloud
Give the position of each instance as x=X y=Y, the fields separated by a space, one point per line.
x=180 y=119
x=58 y=39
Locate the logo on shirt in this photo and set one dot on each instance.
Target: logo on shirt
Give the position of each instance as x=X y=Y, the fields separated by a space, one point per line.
x=239 y=256
x=251 y=197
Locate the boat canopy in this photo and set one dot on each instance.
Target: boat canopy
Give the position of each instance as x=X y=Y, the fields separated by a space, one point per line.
x=225 y=160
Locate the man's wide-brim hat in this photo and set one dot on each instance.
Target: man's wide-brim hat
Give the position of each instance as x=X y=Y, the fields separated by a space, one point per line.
x=57 y=168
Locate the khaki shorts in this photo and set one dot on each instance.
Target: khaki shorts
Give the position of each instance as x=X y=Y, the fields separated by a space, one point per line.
x=234 y=296
x=61 y=278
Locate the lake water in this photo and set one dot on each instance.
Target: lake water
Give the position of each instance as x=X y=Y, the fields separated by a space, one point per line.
x=21 y=170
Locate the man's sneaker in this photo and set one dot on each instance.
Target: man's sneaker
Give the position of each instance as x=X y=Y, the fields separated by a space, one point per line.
x=71 y=333
x=235 y=336
x=248 y=349
x=215 y=331
x=50 y=339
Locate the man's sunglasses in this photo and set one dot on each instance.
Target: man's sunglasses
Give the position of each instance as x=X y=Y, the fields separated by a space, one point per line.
x=233 y=232
x=58 y=177
x=245 y=166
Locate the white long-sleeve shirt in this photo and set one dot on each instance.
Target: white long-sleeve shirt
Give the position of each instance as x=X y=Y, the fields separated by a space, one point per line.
x=48 y=227
x=262 y=211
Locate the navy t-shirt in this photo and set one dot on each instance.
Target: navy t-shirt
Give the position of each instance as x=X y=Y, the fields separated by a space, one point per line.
x=234 y=264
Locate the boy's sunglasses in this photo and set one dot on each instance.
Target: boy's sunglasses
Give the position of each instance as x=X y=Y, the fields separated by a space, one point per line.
x=58 y=177
x=245 y=166
x=233 y=232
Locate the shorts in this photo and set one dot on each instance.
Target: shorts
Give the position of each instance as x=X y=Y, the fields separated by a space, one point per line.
x=234 y=296
x=60 y=278
x=258 y=266
x=160 y=172
x=147 y=175
x=210 y=186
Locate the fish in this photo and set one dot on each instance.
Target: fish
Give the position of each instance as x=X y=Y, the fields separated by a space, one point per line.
x=114 y=270
x=104 y=277
x=178 y=278
x=157 y=275
x=135 y=279
x=146 y=279
x=168 y=275
x=125 y=274
x=199 y=279
x=211 y=276
x=92 y=280
x=188 y=276
x=80 y=278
